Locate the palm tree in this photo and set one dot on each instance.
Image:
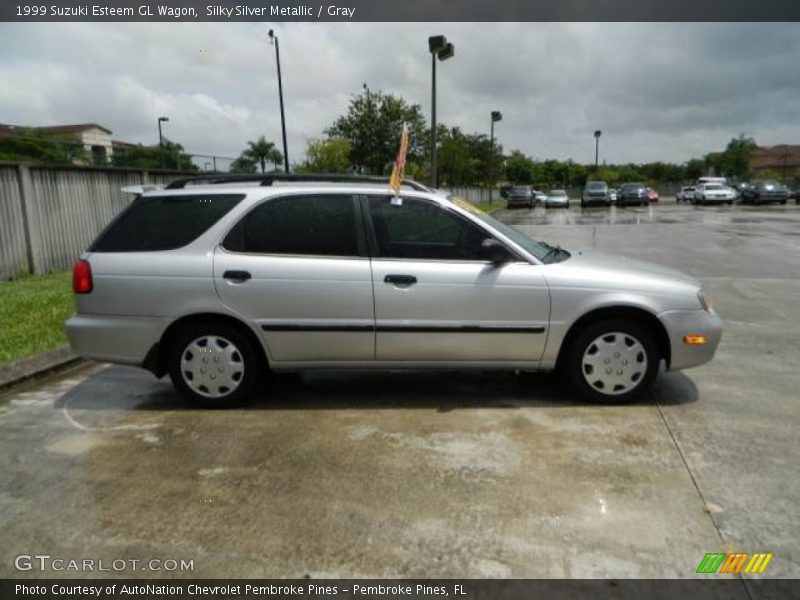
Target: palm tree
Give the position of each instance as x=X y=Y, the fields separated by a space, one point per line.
x=262 y=151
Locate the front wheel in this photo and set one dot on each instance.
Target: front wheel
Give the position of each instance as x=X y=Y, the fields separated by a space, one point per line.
x=612 y=361
x=214 y=365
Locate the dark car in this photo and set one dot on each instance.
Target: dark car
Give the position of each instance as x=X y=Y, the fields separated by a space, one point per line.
x=762 y=192
x=632 y=193
x=520 y=195
x=595 y=192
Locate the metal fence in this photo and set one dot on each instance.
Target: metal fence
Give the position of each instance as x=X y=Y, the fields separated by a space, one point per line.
x=49 y=214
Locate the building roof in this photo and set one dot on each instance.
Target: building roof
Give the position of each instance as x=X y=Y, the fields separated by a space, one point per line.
x=774 y=157
x=6 y=129
x=73 y=128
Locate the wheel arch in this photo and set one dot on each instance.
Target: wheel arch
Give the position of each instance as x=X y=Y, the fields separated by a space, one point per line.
x=157 y=356
x=627 y=312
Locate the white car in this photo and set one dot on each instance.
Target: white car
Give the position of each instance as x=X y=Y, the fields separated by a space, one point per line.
x=685 y=194
x=557 y=198
x=714 y=193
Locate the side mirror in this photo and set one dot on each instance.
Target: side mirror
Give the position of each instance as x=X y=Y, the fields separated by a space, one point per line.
x=494 y=251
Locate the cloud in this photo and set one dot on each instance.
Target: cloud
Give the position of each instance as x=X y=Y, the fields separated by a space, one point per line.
x=659 y=91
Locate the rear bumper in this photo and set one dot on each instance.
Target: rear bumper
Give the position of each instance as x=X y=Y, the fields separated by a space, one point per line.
x=520 y=201
x=596 y=200
x=114 y=339
x=679 y=323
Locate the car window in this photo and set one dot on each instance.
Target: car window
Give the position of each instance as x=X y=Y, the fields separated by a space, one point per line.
x=154 y=223
x=323 y=225
x=423 y=230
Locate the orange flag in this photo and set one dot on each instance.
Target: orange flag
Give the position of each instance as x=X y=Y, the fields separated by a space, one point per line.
x=399 y=169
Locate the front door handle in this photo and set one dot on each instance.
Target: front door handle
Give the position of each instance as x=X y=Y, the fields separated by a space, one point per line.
x=237 y=275
x=400 y=279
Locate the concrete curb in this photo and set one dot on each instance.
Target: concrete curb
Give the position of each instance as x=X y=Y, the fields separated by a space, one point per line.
x=36 y=366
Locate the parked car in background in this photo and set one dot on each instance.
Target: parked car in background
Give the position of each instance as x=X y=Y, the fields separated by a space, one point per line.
x=217 y=280
x=713 y=193
x=652 y=195
x=765 y=191
x=557 y=199
x=520 y=195
x=612 y=195
x=594 y=193
x=632 y=193
x=739 y=188
x=539 y=197
x=685 y=194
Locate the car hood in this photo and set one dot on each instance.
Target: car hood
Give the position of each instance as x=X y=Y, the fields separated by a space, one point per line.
x=609 y=271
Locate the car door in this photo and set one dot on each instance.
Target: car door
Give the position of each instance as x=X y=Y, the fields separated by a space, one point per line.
x=297 y=267
x=438 y=300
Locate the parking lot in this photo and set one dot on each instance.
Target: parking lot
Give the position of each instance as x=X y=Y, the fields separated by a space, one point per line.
x=444 y=474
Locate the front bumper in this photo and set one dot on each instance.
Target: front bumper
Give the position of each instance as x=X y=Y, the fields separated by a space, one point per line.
x=680 y=323
x=115 y=339
x=596 y=200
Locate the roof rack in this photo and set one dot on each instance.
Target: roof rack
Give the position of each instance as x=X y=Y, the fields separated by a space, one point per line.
x=268 y=179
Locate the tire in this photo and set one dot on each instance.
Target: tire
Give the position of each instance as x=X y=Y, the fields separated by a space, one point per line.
x=783 y=201
x=587 y=348
x=231 y=355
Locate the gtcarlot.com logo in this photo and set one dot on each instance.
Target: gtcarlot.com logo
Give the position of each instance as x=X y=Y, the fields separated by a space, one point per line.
x=734 y=563
x=45 y=562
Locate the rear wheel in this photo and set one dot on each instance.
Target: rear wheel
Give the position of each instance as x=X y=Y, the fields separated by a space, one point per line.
x=613 y=361
x=214 y=365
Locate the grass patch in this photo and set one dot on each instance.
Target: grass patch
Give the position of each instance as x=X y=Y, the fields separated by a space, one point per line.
x=489 y=207
x=32 y=314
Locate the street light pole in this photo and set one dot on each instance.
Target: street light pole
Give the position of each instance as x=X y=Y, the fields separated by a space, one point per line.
x=597 y=135
x=433 y=120
x=161 y=141
x=274 y=38
x=496 y=116
x=439 y=48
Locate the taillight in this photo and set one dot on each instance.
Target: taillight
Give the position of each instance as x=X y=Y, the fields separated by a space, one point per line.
x=82 y=277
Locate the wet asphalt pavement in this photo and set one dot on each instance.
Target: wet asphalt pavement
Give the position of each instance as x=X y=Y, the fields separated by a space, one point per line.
x=442 y=474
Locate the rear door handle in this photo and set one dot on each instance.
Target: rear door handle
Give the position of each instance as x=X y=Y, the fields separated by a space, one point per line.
x=237 y=275
x=400 y=279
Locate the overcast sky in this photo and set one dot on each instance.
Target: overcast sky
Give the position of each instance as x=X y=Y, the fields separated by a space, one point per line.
x=657 y=91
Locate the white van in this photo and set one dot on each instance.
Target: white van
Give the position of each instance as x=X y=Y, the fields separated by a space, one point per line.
x=719 y=180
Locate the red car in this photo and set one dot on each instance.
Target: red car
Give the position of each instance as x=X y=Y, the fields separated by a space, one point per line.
x=652 y=195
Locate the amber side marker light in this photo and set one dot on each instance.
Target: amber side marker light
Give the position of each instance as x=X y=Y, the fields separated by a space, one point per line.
x=694 y=339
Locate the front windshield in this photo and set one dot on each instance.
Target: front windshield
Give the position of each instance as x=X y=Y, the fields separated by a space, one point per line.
x=541 y=250
x=558 y=193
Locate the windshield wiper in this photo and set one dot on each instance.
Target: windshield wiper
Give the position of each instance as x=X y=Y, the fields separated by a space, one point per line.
x=553 y=251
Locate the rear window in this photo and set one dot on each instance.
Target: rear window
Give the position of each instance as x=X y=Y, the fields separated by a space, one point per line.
x=153 y=223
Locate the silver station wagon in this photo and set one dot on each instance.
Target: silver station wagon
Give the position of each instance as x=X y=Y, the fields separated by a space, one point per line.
x=216 y=281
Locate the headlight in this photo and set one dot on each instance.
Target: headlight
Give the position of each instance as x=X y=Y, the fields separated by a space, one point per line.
x=705 y=301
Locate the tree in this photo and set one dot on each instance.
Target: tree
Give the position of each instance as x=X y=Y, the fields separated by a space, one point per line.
x=31 y=144
x=259 y=152
x=327 y=156
x=243 y=165
x=519 y=168
x=734 y=162
x=373 y=125
x=693 y=169
x=150 y=157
